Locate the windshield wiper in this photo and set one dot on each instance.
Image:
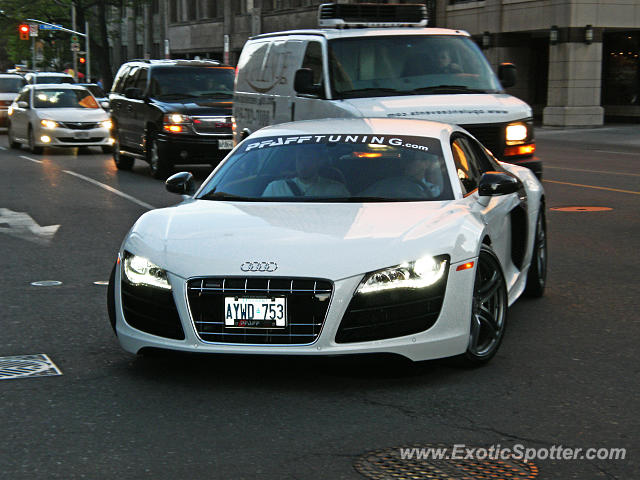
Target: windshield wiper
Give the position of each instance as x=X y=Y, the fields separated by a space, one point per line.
x=369 y=91
x=178 y=95
x=444 y=89
x=226 y=196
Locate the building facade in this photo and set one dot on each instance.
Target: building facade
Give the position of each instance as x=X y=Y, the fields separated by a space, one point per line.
x=578 y=60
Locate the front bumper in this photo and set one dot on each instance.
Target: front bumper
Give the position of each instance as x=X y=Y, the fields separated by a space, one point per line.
x=67 y=137
x=447 y=337
x=193 y=148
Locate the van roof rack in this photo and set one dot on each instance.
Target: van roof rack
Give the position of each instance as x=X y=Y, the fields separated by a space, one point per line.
x=339 y=15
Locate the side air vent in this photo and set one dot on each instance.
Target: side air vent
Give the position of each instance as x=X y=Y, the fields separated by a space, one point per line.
x=333 y=15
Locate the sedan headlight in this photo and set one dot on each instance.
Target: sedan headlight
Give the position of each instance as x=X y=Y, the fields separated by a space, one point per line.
x=48 y=123
x=516 y=133
x=108 y=124
x=417 y=274
x=140 y=271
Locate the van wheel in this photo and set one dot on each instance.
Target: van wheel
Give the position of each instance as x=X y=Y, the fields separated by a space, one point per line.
x=159 y=164
x=123 y=162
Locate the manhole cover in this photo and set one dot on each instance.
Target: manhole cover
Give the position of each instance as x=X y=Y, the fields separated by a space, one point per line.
x=46 y=283
x=22 y=366
x=422 y=462
x=581 y=209
x=101 y=282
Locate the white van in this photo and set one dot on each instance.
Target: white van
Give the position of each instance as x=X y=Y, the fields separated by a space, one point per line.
x=390 y=67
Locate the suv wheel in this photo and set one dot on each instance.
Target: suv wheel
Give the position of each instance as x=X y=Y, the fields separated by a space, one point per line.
x=122 y=162
x=159 y=164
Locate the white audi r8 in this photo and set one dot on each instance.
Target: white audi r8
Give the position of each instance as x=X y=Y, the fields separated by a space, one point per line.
x=338 y=236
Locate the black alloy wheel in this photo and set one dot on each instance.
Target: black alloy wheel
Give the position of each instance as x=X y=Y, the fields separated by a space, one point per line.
x=537 y=276
x=159 y=165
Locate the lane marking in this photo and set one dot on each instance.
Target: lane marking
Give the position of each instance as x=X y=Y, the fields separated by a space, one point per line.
x=619 y=153
x=593 y=171
x=30 y=159
x=111 y=189
x=593 y=186
x=581 y=209
x=22 y=225
x=3 y=148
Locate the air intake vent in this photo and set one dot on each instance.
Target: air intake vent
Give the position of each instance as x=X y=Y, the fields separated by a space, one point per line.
x=333 y=15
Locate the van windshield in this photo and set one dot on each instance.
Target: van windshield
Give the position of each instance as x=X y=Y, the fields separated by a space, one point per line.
x=338 y=168
x=408 y=65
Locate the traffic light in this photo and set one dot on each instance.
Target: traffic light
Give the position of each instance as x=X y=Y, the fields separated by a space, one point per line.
x=24 y=31
x=82 y=60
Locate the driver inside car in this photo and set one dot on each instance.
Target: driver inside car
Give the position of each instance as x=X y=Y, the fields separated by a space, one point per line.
x=308 y=181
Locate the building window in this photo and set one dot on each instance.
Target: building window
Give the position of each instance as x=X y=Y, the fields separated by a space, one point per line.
x=139 y=51
x=124 y=56
x=173 y=11
x=155 y=6
x=621 y=68
x=192 y=13
x=155 y=53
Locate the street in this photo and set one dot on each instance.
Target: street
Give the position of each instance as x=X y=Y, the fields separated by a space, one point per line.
x=566 y=374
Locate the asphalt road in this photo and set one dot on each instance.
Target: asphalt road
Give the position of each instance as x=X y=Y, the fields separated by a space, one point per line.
x=567 y=372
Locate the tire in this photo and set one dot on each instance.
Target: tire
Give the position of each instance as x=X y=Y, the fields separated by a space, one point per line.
x=489 y=311
x=123 y=162
x=160 y=166
x=537 y=276
x=32 y=144
x=12 y=142
x=111 y=299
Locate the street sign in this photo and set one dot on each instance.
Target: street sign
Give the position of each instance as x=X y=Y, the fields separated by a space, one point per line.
x=50 y=27
x=75 y=47
x=33 y=29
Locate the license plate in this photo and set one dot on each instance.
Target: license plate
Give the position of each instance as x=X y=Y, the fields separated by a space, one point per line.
x=254 y=312
x=81 y=134
x=225 y=144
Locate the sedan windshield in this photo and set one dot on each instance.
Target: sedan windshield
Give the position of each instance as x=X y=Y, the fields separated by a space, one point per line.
x=63 y=98
x=173 y=83
x=408 y=65
x=11 y=85
x=333 y=168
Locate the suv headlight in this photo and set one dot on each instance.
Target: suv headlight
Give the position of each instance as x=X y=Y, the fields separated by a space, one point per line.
x=140 y=271
x=516 y=133
x=48 y=123
x=176 y=123
x=420 y=273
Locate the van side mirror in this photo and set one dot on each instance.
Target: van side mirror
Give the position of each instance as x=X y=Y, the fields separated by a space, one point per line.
x=303 y=82
x=507 y=74
x=493 y=184
x=181 y=183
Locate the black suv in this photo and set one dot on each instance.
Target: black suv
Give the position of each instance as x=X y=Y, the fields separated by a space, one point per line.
x=171 y=111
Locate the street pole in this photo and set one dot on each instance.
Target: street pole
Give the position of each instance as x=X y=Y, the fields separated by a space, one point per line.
x=33 y=51
x=86 y=30
x=75 y=54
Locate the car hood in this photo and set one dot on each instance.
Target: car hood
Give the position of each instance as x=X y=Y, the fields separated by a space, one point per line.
x=459 y=108
x=205 y=106
x=334 y=241
x=73 y=114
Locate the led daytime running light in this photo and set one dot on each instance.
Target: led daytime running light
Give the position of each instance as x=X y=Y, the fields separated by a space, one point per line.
x=140 y=271
x=420 y=273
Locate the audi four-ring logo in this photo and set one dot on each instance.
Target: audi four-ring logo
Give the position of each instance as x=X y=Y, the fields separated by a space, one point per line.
x=259 y=267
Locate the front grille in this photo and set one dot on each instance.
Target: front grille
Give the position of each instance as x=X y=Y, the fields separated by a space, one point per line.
x=392 y=313
x=151 y=310
x=80 y=125
x=212 y=125
x=489 y=135
x=81 y=140
x=307 y=305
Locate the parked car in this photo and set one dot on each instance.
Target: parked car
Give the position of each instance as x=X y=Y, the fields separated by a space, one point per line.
x=338 y=236
x=33 y=78
x=171 y=111
x=63 y=115
x=97 y=91
x=10 y=85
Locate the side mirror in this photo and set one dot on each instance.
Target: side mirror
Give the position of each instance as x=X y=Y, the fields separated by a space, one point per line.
x=303 y=82
x=181 y=183
x=133 y=93
x=507 y=74
x=23 y=104
x=497 y=183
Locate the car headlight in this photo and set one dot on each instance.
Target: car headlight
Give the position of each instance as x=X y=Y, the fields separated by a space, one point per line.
x=108 y=124
x=140 y=271
x=516 y=133
x=176 y=122
x=420 y=273
x=48 y=123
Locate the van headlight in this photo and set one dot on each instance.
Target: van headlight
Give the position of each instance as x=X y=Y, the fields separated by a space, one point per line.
x=516 y=133
x=420 y=273
x=140 y=271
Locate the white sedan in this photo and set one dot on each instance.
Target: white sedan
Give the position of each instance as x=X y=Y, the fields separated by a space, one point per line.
x=339 y=236
x=64 y=115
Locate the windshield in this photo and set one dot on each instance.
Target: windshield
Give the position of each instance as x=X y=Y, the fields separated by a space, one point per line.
x=11 y=85
x=52 y=79
x=192 y=82
x=63 y=98
x=408 y=64
x=333 y=168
